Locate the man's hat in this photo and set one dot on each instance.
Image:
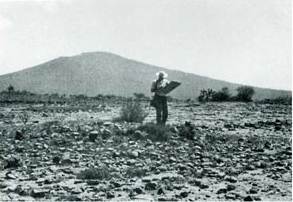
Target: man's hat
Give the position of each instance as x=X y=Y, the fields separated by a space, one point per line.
x=162 y=74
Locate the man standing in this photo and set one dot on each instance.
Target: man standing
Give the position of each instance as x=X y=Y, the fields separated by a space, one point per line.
x=160 y=98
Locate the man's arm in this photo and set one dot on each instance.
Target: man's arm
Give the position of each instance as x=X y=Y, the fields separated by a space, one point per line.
x=153 y=87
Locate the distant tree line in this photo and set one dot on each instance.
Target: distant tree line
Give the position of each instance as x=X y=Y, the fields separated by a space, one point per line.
x=10 y=95
x=244 y=94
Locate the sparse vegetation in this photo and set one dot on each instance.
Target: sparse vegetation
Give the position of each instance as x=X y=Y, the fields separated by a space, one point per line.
x=132 y=111
x=205 y=95
x=156 y=132
x=221 y=96
x=164 y=157
x=100 y=173
x=135 y=172
x=245 y=93
x=280 y=100
x=140 y=97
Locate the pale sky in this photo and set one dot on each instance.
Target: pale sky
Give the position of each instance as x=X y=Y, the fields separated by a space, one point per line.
x=242 y=41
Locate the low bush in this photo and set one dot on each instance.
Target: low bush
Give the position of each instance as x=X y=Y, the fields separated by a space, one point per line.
x=94 y=173
x=132 y=111
x=245 y=94
x=156 y=132
x=205 y=95
x=221 y=96
x=135 y=172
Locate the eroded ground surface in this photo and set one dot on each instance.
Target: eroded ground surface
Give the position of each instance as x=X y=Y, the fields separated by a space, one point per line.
x=230 y=151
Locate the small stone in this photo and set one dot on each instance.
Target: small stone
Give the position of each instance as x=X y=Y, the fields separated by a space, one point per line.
x=253 y=190
x=48 y=180
x=248 y=198
x=146 y=180
x=160 y=191
x=184 y=194
x=222 y=191
x=115 y=154
x=231 y=179
x=250 y=167
x=261 y=164
x=10 y=176
x=19 y=135
x=203 y=186
x=93 y=135
x=138 y=190
x=230 y=187
x=110 y=195
x=39 y=193
x=150 y=186
x=56 y=159
x=108 y=123
x=230 y=196
x=182 y=167
x=19 y=149
x=66 y=160
x=93 y=182
x=116 y=184
x=172 y=160
x=12 y=162
x=76 y=191
x=134 y=154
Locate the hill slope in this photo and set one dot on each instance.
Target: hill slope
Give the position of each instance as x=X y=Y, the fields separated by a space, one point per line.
x=105 y=73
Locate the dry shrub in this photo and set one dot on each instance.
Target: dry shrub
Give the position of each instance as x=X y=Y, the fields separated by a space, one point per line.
x=100 y=173
x=135 y=172
x=132 y=111
x=156 y=132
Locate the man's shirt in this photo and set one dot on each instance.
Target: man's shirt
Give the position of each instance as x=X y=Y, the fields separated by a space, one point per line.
x=160 y=84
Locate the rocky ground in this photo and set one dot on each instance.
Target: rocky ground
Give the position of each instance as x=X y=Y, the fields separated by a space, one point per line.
x=225 y=151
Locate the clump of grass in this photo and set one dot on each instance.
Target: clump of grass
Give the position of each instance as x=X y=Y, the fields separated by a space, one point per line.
x=156 y=132
x=94 y=173
x=118 y=139
x=132 y=111
x=135 y=172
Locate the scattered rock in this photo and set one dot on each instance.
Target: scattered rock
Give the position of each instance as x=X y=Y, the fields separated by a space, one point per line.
x=231 y=179
x=230 y=196
x=93 y=135
x=19 y=149
x=110 y=195
x=230 y=187
x=138 y=190
x=253 y=190
x=56 y=159
x=134 y=154
x=19 y=135
x=10 y=176
x=150 y=186
x=172 y=160
x=184 y=194
x=39 y=193
x=12 y=162
x=248 y=198
x=92 y=182
x=222 y=191
x=160 y=191
x=76 y=190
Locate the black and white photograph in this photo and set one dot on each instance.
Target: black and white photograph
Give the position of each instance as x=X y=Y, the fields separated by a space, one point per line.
x=146 y=100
